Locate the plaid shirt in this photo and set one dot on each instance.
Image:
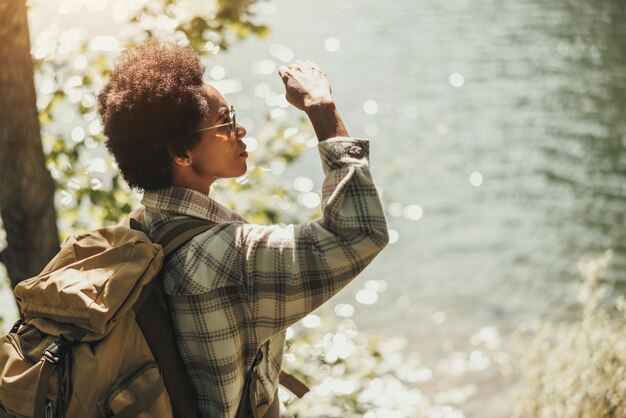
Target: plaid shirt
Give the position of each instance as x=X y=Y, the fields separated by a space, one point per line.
x=237 y=287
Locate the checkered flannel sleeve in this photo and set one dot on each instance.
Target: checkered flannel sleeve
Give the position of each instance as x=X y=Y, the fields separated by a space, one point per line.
x=290 y=270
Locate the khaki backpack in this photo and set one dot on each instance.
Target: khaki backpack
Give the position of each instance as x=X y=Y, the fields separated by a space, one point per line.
x=95 y=339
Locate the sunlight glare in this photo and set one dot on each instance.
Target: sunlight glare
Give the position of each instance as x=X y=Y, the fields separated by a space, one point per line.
x=264 y=67
x=96 y=165
x=311 y=321
x=262 y=90
x=456 y=80
x=303 y=184
x=251 y=143
x=366 y=297
x=370 y=107
x=332 y=44
x=104 y=44
x=311 y=200
x=79 y=62
x=476 y=179
x=78 y=134
x=217 y=72
x=413 y=212
x=344 y=310
x=95 y=127
x=277 y=167
x=393 y=236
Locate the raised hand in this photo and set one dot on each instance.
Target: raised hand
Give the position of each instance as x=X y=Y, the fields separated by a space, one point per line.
x=306 y=85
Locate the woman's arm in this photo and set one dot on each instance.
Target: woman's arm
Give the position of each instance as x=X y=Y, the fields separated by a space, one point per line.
x=290 y=270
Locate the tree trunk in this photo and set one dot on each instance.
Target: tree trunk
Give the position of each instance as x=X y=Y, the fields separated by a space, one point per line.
x=26 y=187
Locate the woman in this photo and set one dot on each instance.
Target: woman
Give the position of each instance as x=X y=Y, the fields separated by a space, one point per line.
x=234 y=290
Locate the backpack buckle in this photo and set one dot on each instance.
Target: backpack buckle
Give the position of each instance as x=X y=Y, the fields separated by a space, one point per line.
x=49 y=355
x=57 y=350
x=17 y=326
x=49 y=410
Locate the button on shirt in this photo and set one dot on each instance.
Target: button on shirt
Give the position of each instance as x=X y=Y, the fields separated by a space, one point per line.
x=237 y=287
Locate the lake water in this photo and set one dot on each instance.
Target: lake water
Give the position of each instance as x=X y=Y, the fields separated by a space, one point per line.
x=498 y=134
x=505 y=122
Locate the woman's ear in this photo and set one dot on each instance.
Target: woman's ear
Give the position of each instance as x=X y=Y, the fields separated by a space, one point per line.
x=184 y=160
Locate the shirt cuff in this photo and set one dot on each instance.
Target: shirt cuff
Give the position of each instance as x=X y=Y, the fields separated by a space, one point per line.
x=344 y=151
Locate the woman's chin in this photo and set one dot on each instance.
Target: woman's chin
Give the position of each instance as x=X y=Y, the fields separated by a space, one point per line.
x=245 y=169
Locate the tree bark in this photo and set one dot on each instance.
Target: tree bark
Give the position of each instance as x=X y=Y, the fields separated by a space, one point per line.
x=26 y=187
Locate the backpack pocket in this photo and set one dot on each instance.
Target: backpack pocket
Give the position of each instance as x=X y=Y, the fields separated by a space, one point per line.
x=137 y=393
x=20 y=366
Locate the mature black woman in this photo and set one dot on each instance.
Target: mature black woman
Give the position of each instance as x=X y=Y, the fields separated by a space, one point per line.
x=233 y=290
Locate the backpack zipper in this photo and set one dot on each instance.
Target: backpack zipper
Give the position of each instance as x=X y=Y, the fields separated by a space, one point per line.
x=125 y=380
x=18 y=347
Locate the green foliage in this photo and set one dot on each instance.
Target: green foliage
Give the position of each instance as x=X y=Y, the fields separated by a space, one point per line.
x=229 y=22
x=90 y=191
x=578 y=370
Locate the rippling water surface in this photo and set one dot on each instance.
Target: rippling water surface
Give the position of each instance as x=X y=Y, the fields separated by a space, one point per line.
x=499 y=140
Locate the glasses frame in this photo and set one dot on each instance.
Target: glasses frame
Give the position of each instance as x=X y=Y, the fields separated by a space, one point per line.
x=233 y=123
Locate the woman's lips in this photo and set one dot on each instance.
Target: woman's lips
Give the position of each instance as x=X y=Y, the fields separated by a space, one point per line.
x=244 y=154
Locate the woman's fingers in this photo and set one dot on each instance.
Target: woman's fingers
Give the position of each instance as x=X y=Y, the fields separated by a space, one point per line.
x=303 y=66
x=282 y=71
x=305 y=84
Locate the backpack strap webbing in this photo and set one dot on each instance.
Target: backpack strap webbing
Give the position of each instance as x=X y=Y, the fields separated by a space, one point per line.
x=53 y=356
x=155 y=322
x=176 y=233
x=46 y=372
x=295 y=385
x=171 y=237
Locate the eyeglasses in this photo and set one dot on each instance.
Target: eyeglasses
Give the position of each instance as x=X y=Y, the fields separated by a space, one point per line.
x=232 y=123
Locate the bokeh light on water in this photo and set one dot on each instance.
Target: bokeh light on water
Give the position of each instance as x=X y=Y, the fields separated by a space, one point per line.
x=456 y=80
x=476 y=179
x=370 y=107
x=332 y=44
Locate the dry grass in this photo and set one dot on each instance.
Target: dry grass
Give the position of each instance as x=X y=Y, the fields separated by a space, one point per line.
x=578 y=369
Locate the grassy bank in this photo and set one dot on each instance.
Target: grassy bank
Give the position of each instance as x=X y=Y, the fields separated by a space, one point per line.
x=578 y=369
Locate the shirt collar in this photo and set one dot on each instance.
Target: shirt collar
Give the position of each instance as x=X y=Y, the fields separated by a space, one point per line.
x=184 y=201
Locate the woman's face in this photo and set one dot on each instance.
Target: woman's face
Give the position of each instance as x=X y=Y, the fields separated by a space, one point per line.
x=219 y=154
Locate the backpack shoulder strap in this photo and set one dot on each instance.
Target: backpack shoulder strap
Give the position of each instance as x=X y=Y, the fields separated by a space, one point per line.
x=171 y=237
x=156 y=325
x=176 y=233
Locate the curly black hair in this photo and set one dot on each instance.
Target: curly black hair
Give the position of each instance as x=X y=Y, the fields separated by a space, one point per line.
x=153 y=102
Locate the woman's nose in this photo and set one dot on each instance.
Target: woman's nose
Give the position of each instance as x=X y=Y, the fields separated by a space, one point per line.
x=241 y=131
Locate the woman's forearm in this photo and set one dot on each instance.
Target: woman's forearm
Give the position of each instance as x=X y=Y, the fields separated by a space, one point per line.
x=326 y=121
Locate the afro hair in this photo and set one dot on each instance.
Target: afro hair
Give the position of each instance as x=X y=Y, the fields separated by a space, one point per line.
x=153 y=102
